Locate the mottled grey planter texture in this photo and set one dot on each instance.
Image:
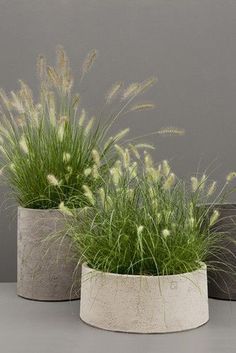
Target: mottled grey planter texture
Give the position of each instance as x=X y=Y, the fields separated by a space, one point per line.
x=222 y=280
x=46 y=269
x=144 y=304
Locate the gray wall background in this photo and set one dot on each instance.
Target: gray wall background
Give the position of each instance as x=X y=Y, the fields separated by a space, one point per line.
x=189 y=44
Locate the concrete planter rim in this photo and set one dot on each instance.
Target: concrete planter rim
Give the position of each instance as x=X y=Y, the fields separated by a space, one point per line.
x=203 y=266
x=45 y=210
x=40 y=209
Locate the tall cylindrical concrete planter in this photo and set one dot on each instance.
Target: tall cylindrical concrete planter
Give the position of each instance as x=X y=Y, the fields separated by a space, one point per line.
x=144 y=304
x=222 y=278
x=46 y=269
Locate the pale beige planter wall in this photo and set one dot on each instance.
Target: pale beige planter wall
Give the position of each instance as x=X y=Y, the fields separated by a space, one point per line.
x=45 y=265
x=148 y=304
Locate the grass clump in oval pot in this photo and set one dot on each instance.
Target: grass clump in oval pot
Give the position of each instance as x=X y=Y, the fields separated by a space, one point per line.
x=147 y=222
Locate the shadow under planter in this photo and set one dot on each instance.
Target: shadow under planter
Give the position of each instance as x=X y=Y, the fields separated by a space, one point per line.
x=46 y=269
x=144 y=304
x=222 y=280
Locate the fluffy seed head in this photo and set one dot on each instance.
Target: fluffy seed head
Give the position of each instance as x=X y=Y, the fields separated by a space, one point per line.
x=126 y=158
x=12 y=166
x=96 y=157
x=89 y=126
x=133 y=170
x=152 y=194
x=52 y=107
x=211 y=189
x=118 y=164
x=17 y=103
x=65 y=209
x=89 y=61
x=124 y=155
x=131 y=90
x=143 y=86
x=148 y=160
x=109 y=142
x=143 y=106
x=66 y=157
x=214 y=217
x=165 y=233
x=105 y=199
x=102 y=196
x=62 y=59
x=191 y=222
x=113 y=92
x=94 y=172
x=231 y=176
x=134 y=150
x=88 y=194
x=119 y=150
x=165 y=168
x=202 y=182
x=194 y=184
x=61 y=128
x=53 y=180
x=145 y=145
x=4 y=98
x=69 y=169
x=169 y=182
x=63 y=119
x=121 y=135
x=23 y=145
x=60 y=132
x=151 y=174
x=53 y=76
x=82 y=117
x=140 y=230
x=87 y=171
x=171 y=131
x=115 y=174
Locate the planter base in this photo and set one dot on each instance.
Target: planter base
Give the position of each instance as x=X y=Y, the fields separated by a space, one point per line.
x=144 y=304
x=49 y=301
x=141 y=333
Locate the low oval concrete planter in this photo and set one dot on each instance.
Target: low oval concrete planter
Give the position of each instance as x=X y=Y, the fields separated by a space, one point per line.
x=222 y=280
x=144 y=304
x=45 y=269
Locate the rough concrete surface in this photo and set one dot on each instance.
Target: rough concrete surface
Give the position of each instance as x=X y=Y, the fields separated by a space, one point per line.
x=144 y=304
x=46 y=269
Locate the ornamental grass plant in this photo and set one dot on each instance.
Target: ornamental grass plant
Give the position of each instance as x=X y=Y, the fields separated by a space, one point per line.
x=50 y=147
x=147 y=222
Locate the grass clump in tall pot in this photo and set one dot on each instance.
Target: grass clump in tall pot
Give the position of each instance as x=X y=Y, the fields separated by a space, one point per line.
x=50 y=148
x=144 y=249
